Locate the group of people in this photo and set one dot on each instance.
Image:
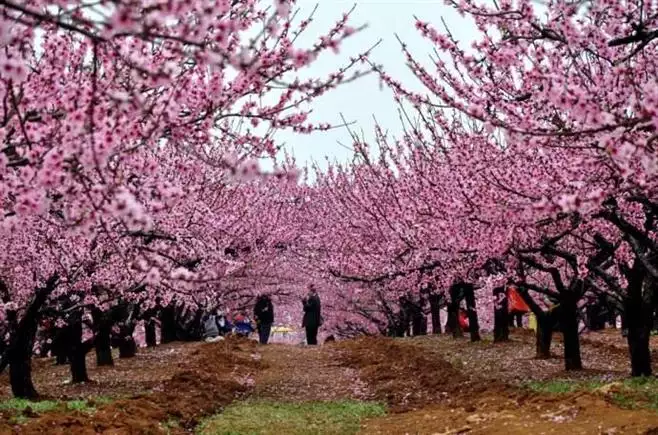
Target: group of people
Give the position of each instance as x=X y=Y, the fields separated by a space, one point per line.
x=217 y=325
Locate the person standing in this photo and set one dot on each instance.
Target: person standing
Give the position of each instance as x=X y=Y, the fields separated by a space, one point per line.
x=312 y=315
x=264 y=315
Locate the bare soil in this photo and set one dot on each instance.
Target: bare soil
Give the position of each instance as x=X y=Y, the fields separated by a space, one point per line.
x=138 y=375
x=605 y=356
x=433 y=385
x=429 y=396
x=210 y=377
x=307 y=373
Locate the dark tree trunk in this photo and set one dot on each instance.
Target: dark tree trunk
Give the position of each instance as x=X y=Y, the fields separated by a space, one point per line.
x=419 y=326
x=20 y=366
x=150 y=332
x=638 y=315
x=18 y=354
x=104 y=355
x=638 y=345
x=20 y=376
x=168 y=324
x=20 y=362
x=124 y=316
x=127 y=347
x=595 y=319
x=435 y=311
x=568 y=315
x=545 y=326
x=473 y=324
x=611 y=318
x=418 y=320
x=59 y=347
x=544 y=336
x=402 y=328
x=184 y=323
x=195 y=328
x=501 y=315
x=77 y=351
x=404 y=319
x=452 y=324
x=102 y=337
x=79 y=366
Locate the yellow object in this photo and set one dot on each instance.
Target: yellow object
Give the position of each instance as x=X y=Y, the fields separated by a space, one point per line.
x=281 y=329
x=532 y=322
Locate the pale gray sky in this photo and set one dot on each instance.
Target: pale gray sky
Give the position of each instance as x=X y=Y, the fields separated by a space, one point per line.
x=360 y=100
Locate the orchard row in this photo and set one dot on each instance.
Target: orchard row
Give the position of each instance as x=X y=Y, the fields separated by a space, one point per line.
x=129 y=176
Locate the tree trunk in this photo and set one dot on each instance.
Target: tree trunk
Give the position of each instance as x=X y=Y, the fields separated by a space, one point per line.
x=404 y=319
x=638 y=313
x=104 y=354
x=501 y=315
x=18 y=354
x=150 y=332
x=569 y=323
x=638 y=345
x=435 y=311
x=418 y=322
x=419 y=326
x=79 y=366
x=544 y=336
x=20 y=367
x=77 y=351
x=127 y=347
x=20 y=376
x=452 y=324
x=168 y=324
x=595 y=320
x=59 y=346
x=473 y=324
x=102 y=337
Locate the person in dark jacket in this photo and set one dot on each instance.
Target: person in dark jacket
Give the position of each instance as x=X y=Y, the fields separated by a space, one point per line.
x=312 y=315
x=264 y=316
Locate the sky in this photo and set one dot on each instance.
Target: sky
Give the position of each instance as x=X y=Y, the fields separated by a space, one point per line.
x=359 y=101
x=363 y=99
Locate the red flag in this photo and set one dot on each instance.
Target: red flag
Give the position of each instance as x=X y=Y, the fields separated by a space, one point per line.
x=516 y=303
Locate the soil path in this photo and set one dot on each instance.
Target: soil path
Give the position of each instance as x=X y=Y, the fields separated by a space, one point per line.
x=427 y=395
x=296 y=373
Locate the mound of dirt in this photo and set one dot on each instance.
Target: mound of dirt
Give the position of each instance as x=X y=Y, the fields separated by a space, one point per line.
x=405 y=376
x=426 y=394
x=212 y=377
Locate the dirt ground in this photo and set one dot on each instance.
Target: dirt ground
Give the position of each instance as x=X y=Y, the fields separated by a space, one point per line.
x=429 y=396
x=604 y=355
x=306 y=374
x=207 y=378
x=141 y=374
x=431 y=385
